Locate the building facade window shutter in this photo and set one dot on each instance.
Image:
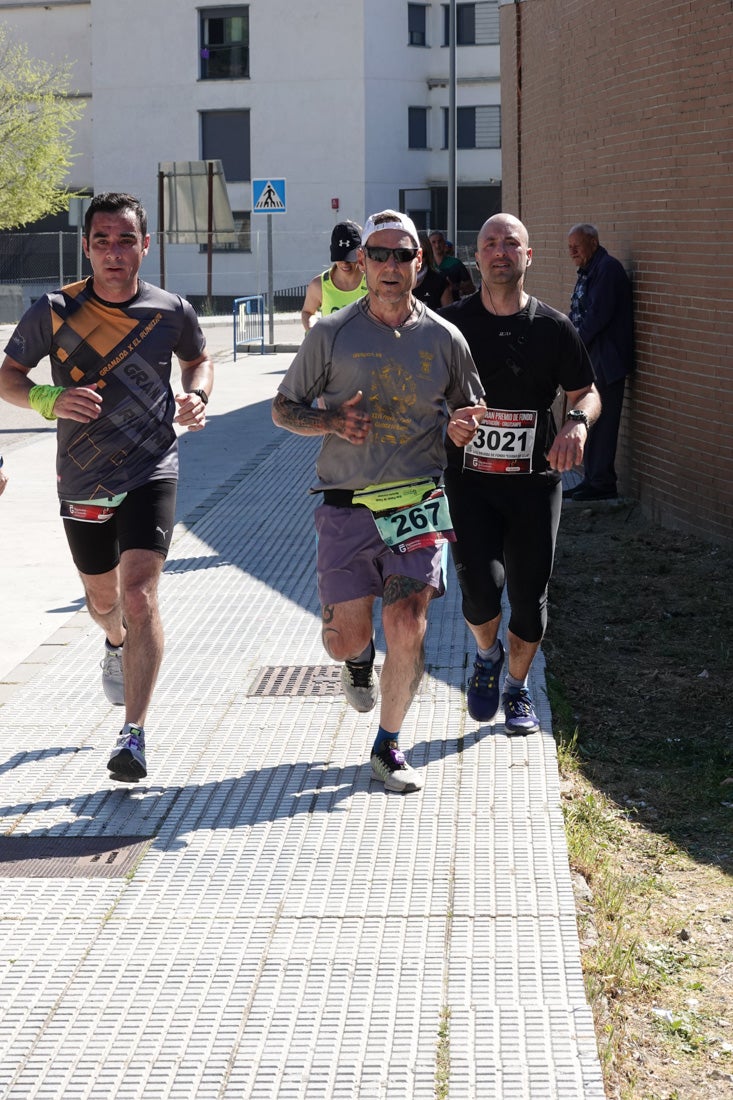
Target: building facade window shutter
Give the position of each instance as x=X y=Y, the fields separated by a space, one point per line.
x=487 y=23
x=488 y=127
x=225 y=136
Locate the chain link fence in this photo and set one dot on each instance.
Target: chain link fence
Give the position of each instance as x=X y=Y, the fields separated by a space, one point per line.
x=55 y=258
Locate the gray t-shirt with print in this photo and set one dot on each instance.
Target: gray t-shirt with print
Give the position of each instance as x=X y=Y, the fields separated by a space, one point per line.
x=409 y=382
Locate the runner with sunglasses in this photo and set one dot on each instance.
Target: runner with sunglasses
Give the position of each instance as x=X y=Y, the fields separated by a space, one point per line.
x=377 y=380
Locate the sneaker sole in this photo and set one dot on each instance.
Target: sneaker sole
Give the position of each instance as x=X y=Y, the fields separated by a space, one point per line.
x=519 y=731
x=126 y=768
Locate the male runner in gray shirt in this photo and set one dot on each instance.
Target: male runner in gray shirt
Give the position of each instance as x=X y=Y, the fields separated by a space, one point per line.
x=378 y=380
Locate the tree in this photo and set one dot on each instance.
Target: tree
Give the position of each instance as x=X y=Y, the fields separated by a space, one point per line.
x=36 y=132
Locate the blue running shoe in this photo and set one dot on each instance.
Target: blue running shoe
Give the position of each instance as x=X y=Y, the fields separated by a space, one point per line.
x=519 y=715
x=482 y=696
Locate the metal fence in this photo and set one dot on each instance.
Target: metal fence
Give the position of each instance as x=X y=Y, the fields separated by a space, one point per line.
x=289 y=300
x=248 y=315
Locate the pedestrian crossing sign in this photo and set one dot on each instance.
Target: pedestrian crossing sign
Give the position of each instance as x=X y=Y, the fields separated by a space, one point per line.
x=268 y=196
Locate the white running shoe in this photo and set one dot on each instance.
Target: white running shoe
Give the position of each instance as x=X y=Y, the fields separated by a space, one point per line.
x=389 y=765
x=113 y=681
x=360 y=684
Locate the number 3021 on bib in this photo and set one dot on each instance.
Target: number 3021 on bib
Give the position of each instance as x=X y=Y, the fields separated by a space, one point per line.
x=503 y=443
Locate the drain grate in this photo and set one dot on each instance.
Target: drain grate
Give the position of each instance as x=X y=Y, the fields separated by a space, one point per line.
x=291 y=680
x=71 y=856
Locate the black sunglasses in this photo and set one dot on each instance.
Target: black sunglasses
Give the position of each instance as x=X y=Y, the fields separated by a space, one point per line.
x=381 y=255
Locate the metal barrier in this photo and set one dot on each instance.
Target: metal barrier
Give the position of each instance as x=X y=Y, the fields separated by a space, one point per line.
x=249 y=322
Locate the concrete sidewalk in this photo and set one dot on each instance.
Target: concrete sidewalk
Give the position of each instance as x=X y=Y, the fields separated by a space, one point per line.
x=259 y=919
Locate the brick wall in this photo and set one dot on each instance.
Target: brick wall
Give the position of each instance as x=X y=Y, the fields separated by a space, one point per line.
x=622 y=117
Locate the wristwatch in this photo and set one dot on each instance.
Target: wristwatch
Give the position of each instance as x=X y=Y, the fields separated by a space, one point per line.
x=205 y=397
x=579 y=416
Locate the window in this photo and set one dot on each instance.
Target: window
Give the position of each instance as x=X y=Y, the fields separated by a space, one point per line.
x=243 y=228
x=417 y=127
x=465 y=24
x=421 y=218
x=476 y=128
x=476 y=24
x=225 y=137
x=416 y=25
x=224 y=49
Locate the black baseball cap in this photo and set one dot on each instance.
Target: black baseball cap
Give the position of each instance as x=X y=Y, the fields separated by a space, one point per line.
x=345 y=240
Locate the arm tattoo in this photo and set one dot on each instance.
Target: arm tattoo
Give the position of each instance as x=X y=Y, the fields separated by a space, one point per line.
x=301 y=419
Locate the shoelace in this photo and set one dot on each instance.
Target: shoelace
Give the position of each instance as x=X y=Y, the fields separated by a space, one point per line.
x=520 y=705
x=484 y=677
x=361 y=675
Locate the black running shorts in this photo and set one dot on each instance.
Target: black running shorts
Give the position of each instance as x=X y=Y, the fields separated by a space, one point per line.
x=144 y=521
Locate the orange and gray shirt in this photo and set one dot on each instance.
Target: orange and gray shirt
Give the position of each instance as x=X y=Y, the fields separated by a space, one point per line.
x=126 y=349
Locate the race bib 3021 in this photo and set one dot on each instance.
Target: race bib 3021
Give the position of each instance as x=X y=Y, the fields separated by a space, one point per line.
x=503 y=443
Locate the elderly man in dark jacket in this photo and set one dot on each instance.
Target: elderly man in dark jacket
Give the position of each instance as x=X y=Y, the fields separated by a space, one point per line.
x=601 y=309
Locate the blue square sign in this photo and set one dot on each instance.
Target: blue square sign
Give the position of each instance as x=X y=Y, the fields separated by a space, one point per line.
x=268 y=196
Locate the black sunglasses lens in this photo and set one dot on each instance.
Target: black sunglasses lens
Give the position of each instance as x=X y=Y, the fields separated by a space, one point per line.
x=381 y=255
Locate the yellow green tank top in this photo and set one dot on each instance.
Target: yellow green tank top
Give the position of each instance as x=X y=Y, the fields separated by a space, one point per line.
x=332 y=298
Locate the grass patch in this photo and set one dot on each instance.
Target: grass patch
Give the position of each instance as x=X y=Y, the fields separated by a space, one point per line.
x=442 y=1057
x=640 y=687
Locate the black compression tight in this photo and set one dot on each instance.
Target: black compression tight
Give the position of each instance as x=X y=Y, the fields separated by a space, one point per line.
x=506 y=526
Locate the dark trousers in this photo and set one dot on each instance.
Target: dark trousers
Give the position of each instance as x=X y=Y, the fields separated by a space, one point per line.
x=600 y=449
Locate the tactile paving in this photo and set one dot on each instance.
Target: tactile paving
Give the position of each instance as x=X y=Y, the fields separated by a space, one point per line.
x=294 y=930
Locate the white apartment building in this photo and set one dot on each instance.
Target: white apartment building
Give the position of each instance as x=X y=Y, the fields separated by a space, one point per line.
x=345 y=100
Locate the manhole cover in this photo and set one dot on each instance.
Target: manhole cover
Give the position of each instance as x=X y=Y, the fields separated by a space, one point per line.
x=70 y=856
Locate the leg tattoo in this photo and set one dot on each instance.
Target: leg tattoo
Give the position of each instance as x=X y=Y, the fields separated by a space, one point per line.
x=398 y=588
x=327 y=631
